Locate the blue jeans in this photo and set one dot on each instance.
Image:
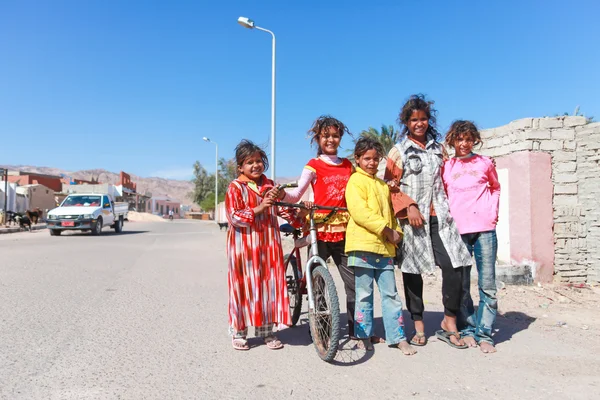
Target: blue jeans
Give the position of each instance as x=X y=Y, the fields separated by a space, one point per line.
x=391 y=304
x=478 y=324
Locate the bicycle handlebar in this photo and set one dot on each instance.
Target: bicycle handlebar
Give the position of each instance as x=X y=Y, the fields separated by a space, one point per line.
x=314 y=207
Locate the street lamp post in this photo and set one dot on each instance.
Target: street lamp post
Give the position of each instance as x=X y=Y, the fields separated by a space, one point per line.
x=248 y=23
x=216 y=174
x=4 y=173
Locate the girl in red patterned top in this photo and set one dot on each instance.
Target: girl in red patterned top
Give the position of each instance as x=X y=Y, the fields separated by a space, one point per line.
x=328 y=175
x=256 y=277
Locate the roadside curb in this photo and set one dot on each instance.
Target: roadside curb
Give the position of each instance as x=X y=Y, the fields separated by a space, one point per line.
x=17 y=229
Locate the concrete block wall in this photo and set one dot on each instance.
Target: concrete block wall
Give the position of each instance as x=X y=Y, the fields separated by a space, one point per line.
x=574 y=145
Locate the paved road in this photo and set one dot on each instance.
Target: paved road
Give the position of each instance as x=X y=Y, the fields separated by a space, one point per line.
x=142 y=316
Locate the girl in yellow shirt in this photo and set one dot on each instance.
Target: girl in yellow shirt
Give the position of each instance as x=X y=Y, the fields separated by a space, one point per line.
x=371 y=239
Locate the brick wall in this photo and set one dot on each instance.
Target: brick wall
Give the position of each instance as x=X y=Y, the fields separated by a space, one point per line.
x=574 y=145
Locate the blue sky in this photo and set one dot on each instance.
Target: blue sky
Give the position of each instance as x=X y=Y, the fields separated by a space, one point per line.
x=135 y=85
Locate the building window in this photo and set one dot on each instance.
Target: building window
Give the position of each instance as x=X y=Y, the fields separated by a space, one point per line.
x=161 y=209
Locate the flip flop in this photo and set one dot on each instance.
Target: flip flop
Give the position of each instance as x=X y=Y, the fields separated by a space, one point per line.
x=273 y=343
x=240 y=344
x=444 y=336
x=418 y=335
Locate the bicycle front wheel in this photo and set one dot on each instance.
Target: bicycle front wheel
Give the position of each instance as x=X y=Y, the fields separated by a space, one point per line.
x=324 y=318
x=293 y=282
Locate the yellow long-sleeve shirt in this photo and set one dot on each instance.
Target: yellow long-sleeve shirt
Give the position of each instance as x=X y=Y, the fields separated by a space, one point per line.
x=370 y=208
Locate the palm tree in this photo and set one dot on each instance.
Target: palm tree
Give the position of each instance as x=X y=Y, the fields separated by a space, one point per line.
x=388 y=137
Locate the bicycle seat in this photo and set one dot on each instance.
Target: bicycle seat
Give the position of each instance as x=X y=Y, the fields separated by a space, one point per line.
x=287 y=228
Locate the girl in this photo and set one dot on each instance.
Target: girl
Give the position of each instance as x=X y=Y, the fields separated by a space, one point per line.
x=371 y=246
x=257 y=288
x=430 y=234
x=473 y=191
x=328 y=175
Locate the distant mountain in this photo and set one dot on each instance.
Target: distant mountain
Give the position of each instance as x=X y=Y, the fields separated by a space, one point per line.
x=176 y=189
x=173 y=188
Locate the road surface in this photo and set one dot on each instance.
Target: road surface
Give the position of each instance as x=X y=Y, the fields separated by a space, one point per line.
x=142 y=315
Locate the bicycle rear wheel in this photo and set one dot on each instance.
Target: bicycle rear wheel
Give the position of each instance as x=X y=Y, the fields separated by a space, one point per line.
x=324 y=318
x=292 y=279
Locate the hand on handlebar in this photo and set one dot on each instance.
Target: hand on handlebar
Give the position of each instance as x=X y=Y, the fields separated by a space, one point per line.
x=308 y=204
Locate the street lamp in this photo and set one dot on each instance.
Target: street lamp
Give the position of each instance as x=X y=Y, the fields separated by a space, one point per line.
x=4 y=173
x=248 y=23
x=216 y=174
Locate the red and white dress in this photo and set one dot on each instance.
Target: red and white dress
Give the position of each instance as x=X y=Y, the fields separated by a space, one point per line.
x=257 y=288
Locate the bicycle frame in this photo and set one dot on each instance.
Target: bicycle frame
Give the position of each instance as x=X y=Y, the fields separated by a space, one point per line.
x=314 y=259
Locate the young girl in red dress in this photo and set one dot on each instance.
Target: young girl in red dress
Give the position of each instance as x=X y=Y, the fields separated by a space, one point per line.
x=328 y=175
x=256 y=277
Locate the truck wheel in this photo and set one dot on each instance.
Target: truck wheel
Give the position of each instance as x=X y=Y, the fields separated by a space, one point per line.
x=97 y=228
x=119 y=225
x=55 y=232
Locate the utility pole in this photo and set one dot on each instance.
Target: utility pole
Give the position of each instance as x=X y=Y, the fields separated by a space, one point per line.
x=4 y=172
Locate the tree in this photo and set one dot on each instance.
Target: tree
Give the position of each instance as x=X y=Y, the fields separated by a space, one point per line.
x=227 y=172
x=388 y=137
x=203 y=183
x=208 y=204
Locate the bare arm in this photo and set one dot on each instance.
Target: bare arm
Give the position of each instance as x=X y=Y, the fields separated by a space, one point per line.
x=307 y=177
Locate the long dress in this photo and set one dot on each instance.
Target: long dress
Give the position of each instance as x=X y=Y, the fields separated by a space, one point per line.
x=256 y=277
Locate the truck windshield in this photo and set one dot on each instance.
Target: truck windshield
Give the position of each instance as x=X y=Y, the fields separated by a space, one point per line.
x=82 y=201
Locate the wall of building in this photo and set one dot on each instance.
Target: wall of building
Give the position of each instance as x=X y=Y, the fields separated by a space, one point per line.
x=573 y=146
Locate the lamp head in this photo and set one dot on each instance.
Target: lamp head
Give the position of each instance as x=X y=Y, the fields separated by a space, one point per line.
x=246 y=22
x=206 y=139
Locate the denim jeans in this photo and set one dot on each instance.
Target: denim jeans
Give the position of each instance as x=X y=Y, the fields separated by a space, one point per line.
x=391 y=304
x=478 y=324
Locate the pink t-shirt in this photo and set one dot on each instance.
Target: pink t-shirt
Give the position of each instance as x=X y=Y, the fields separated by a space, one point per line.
x=473 y=193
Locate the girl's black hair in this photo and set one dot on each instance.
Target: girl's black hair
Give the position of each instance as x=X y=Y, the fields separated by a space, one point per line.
x=246 y=149
x=460 y=128
x=321 y=124
x=418 y=102
x=366 y=143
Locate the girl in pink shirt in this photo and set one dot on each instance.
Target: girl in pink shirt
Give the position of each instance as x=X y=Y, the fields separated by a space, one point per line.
x=473 y=190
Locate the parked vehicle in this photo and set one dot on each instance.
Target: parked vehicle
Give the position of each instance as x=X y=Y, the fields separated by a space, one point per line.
x=87 y=212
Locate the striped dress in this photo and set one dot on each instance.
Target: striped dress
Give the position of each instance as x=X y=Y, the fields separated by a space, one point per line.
x=256 y=277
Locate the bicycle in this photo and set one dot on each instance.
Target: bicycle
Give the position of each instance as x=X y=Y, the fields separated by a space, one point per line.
x=317 y=283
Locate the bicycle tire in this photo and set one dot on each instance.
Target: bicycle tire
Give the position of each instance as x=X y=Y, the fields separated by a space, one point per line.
x=293 y=287
x=324 y=318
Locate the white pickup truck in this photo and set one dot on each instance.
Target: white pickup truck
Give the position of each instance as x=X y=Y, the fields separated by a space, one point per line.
x=87 y=212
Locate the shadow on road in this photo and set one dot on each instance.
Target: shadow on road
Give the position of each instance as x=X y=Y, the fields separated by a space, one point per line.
x=348 y=353
x=105 y=234
x=505 y=327
x=510 y=323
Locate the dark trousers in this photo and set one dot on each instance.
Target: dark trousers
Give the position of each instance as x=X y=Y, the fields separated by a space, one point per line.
x=336 y=251
x=451 y=280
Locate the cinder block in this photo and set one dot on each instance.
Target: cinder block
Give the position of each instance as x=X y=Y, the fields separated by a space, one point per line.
x=523 y=123
x=563 y=134
x=546 y=123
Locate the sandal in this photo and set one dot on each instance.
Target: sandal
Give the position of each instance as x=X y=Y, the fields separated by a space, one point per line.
x=419 y=336
x=240 y=344
x=445 y=336
x=273 y=343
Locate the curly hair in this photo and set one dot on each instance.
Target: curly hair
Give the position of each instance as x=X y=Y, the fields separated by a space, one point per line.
x=321 y=124
x=246 y=149
x=366 y=143
x=418 y=102
x=461 y=128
